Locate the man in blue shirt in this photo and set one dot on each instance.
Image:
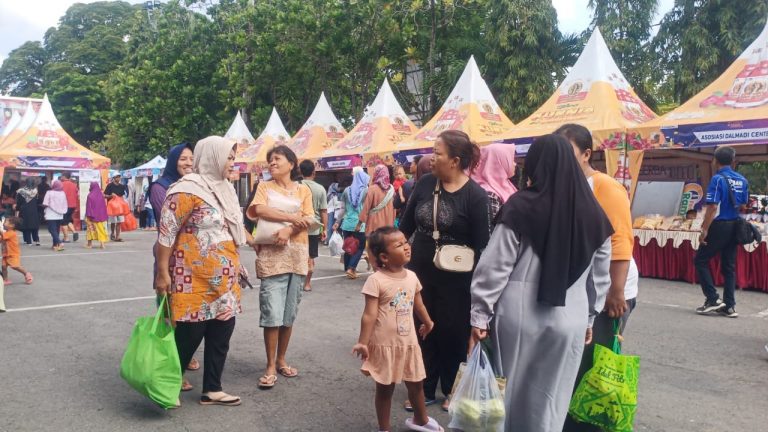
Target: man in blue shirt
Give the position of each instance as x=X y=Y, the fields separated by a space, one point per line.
x=728 y=191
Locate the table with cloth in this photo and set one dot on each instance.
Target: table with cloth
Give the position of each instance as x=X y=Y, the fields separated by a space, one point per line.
x=669 y=255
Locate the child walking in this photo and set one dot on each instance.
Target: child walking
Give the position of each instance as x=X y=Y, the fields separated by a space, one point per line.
x=11 y=251
x=388 y=344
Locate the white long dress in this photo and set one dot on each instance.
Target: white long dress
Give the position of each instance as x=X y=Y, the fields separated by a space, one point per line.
x=536 y=346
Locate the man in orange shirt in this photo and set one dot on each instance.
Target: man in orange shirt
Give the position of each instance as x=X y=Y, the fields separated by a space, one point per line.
x=70 y=190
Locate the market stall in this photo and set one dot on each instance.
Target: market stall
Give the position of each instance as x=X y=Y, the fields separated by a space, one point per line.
x=254 y=158
x=470 y=107
x=384 y=124
x=45 y=147
x=321 y=131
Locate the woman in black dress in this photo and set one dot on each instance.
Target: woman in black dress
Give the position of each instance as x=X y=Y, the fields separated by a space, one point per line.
x=462 y=220
x=27 y=210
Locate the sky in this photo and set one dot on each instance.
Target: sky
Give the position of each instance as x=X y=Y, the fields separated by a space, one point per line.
x=22 y=21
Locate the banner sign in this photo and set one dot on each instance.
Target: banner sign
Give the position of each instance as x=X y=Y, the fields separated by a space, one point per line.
x=715 y=134
x=340 y=162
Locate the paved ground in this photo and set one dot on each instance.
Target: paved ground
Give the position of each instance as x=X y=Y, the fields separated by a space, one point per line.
x=63 y=338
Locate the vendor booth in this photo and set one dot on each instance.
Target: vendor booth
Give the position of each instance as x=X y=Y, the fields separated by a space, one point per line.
x=732 y=110
x=239 y=133
x=321 y=131
x=24 y=123
x=470 y=107
x=253 y=160
x=45 y=147
x=384 y=124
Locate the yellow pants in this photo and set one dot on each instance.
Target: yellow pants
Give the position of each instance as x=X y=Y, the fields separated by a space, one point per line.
x=96 y=231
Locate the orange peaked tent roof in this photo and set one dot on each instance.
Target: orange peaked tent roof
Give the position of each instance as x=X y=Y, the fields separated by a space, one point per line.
x=733 y=109
x=45 y=144
x=21 y=126
x=274 y=133
x=594 y=94
x=321 y=131
x=470 y=108
x=384 y=124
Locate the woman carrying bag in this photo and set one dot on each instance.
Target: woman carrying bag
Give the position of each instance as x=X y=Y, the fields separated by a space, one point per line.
x=198 y=262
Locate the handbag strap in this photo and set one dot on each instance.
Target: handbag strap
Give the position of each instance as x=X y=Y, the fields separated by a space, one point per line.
x=387 y=198
x=435 y=201
x=161 y=312
x=730 y=191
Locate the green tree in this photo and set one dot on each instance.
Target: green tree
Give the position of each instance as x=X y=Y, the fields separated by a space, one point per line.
x=21 y=74
x=165 y=91
x=699 y=39
x=626 y=27
x=525 y=54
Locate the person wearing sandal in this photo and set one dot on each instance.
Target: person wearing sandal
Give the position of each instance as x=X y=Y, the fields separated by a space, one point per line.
x=55 y=203
x=177 y=165
x=462 y=220
x=198 y=262
x=283 y=265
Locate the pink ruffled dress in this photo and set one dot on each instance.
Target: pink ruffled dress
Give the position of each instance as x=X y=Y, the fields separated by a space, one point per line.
x=394 y=353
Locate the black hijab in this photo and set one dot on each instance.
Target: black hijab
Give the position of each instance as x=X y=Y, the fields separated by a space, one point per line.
x=559 y=215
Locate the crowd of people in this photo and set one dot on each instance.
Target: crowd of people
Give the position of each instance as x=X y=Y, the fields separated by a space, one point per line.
x=458 y=254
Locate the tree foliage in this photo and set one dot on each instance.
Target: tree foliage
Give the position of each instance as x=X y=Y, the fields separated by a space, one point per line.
x=22 y=72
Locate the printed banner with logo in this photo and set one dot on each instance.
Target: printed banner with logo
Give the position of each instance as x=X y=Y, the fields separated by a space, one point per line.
x=624 y=166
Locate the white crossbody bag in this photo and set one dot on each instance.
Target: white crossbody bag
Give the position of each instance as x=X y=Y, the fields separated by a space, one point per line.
x=450 y=258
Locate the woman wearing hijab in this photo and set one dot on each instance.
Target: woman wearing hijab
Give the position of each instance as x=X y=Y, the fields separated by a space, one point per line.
x=353 y=199
x=96 y=217
x=530 y=289
x=378 y=209
x=282 y=266
x=26 y=209
x=493 y=173
x=177 y=165
x=198 y=262
x=55 y=203
x=333 y=205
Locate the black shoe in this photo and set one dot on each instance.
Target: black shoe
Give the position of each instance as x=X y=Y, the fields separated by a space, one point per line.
x=75 y=236
x=710 y=307
x=728 y=312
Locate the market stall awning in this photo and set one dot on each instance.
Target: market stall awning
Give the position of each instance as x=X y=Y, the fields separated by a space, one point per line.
x=594 y=94
x=274 y=134
x=239 y=133
x=384 y=124
x=470 y=108
x=321 y=131
x=22 y=126
x=45 y=144
x=154 y=167
x=733 y=109
x=10 y=126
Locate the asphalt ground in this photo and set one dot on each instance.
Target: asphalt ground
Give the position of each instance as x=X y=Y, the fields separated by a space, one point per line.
x=62 y=339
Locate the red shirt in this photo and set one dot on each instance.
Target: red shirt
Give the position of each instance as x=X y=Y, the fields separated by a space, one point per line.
x=70 y=190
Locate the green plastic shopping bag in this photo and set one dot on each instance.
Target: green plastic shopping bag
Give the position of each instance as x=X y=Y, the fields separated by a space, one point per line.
x=151 y=362
x=607 y=394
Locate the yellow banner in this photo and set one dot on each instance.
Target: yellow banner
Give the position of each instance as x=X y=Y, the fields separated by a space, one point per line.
x=624 y=166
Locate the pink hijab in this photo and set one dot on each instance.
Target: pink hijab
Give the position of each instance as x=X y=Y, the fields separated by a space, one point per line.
x=497 y=161
x=381 y=177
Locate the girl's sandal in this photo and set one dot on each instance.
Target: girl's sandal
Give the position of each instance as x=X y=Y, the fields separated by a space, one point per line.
x=431 y=426
x=267 y=381
x=288 y=372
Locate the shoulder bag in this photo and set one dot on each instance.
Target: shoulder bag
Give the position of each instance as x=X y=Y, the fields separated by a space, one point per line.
x=745 y=232
x=450 y=258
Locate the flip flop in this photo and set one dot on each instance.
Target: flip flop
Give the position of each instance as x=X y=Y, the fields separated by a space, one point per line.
x=288 y=372
x=28 y=278
x=193 y=365
x=187 y=386
x=431 y=426
x=225 y=401
x=267 y=381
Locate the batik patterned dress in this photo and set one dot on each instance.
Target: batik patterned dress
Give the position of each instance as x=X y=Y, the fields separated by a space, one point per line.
x=204 y=262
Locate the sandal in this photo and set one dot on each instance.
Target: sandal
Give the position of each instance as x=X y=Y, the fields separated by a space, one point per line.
x=288 y=372
x=431 y=426
x=267 y=381
x=28 y=278
x=225 y=400
x=193 y=365
x=187 y=386
x=446 y=403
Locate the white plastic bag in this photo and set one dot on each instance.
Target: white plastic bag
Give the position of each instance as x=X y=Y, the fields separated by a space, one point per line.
x=336 y=243
x=477 y=405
